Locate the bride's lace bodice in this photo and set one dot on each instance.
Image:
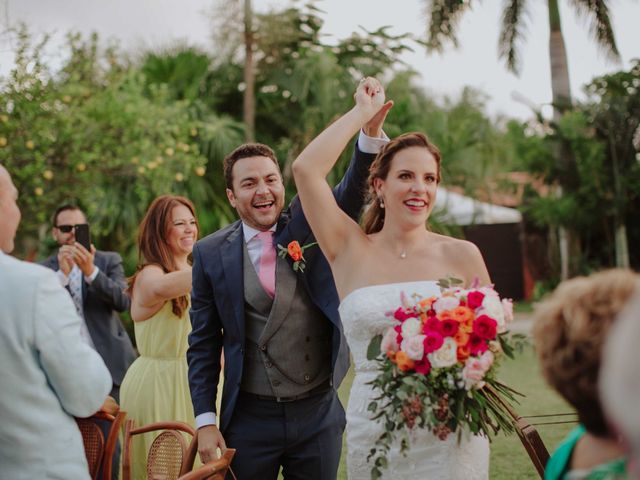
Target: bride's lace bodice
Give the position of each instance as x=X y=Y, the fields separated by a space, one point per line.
x=367 y=312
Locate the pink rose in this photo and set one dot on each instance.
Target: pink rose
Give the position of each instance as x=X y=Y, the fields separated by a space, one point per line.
x=487 y=360
x=474 y=299
x=485 y=327
x=472 y=373
x=449 y=328
x=414 y=347
x=432 y=341
x=422 y=366
x=475 y=369
x=477 y=344
x=431 y=325
x=389 y=343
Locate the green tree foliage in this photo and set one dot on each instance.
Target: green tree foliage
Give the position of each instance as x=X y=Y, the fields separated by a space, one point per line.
x=607 y=184
x=89 y=132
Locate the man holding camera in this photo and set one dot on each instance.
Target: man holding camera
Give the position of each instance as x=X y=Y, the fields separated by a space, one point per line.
x=96 y=283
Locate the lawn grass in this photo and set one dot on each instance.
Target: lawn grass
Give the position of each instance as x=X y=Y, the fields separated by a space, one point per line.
x=523 y=307
x=509 y=460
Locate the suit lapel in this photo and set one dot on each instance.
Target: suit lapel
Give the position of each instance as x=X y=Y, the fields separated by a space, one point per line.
x=231 y=254
x=286 y=280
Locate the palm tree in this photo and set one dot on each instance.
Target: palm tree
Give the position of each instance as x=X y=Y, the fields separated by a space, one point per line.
x=444 y=16
x=249 y=105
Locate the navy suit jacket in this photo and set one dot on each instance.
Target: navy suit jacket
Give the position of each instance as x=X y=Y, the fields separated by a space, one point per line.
x=101 y=301
x=217 y=296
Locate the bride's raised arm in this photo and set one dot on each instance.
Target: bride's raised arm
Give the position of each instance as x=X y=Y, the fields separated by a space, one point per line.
x=332 y=227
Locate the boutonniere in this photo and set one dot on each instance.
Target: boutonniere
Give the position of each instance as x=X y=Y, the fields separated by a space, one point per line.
x=296 y=253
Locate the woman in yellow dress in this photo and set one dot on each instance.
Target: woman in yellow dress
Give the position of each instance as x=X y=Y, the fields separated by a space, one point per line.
x=155 y=388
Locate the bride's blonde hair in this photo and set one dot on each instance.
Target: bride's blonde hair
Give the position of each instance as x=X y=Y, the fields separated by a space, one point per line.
x=373 y=217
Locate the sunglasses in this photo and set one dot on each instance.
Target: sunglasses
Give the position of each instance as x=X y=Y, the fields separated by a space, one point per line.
x=68 y=228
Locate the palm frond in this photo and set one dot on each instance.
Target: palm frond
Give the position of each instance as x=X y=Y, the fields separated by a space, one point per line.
x=512 y=33
x=443 y=17
x=597 y=11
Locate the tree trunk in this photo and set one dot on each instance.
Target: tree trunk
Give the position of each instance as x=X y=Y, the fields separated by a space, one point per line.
x=249 y=101
x=561 y=91
x=622 y=247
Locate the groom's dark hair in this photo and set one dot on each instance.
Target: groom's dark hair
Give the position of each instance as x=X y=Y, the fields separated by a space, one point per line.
x=245 y=150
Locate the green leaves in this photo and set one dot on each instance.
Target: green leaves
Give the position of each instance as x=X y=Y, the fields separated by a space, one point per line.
x=373 y=350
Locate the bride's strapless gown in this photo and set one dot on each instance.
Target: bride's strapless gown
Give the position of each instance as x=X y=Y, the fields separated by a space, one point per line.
x=363 y=316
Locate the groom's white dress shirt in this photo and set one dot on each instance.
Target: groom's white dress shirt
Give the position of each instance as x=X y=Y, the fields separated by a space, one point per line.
x=48 y=376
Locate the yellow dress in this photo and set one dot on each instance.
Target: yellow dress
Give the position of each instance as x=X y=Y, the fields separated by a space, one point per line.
x=156 y=386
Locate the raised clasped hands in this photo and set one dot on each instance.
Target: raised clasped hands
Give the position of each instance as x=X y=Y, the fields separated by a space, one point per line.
x=370 y=101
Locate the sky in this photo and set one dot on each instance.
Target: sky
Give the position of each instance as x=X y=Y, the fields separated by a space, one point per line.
x=138 y=24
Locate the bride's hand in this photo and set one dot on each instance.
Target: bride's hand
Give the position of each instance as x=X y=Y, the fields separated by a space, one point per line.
x=369 y=98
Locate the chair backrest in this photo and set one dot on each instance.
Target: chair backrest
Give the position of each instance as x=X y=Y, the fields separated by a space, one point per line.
x=99 y=451
x=530 y=438
x=527 y=432
x=533 y=444
x=169 y=455
x=213 y=470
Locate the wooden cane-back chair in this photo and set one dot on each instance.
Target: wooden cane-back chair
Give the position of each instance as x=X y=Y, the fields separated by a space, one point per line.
x=169 y=455
x=99 y=451
x=213 y=470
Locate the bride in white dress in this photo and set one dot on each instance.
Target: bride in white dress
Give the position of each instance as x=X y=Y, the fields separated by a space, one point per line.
x=394 y=253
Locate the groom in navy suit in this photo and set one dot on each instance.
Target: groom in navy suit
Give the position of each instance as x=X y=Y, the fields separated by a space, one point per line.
x=284 y=349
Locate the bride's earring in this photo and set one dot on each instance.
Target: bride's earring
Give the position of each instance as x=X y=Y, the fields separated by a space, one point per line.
x=381 y=201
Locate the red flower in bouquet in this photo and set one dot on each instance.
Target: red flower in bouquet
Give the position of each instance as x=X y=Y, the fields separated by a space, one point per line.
x=485 y=327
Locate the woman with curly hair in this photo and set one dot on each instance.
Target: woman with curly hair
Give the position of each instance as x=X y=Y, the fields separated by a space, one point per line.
x=569 y=331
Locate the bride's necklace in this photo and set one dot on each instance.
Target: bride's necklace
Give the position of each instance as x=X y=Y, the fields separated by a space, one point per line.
x=403 y=254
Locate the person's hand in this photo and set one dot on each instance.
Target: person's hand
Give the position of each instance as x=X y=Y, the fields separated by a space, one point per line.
x=84 y=258
x=373 y=128
x=110 y=406
x=65 y=259
x=209 y=440
x=369 y=98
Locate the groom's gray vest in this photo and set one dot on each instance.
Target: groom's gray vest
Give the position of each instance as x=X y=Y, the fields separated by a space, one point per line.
x=288 y=341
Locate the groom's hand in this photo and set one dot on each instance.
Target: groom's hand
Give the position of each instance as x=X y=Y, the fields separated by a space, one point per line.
x=209 y=440
x=373 y=128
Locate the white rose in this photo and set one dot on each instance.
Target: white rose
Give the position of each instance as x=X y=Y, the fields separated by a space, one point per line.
x=445 y=303
x=446 y=355
x=411 y=327
x=492 y=306
x=413 y=347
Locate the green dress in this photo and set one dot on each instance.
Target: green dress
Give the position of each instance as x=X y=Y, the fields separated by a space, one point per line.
x=558 y=465
x=156 y=386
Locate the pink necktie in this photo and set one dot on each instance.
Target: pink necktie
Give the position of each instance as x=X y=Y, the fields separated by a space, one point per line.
x=267 y=264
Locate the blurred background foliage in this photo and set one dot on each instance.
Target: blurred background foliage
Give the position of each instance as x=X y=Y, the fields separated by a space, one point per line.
x=113 y=130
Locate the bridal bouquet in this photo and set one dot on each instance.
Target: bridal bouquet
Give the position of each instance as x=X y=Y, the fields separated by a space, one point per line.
x=437 y=366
